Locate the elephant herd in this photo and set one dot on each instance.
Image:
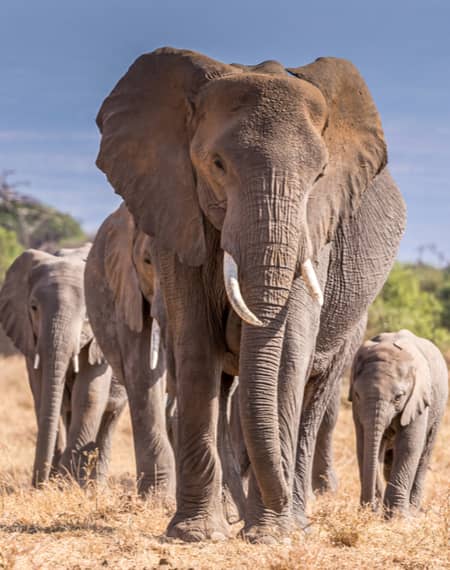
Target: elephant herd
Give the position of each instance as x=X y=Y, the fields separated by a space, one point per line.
x=225 y=297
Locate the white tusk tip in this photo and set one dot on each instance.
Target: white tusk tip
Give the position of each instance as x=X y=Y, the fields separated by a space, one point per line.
x=36 y=361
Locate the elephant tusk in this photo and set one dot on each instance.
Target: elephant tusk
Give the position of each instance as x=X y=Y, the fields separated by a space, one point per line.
x=155 y=340
x=76 y=364
x=37 y=361
x=312 y=283
x=230 y=275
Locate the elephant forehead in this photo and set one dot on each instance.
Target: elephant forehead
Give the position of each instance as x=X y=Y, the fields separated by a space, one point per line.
x=388 y=357
x=60 y=272
x=273 y=93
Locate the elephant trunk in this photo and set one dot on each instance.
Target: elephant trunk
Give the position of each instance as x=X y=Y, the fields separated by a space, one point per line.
x=374 y=426
x=58 y=346
x=269 y=249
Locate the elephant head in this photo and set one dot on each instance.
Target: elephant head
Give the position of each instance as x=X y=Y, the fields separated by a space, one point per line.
x=42 y=310
x=274 y=159
x=390 y=379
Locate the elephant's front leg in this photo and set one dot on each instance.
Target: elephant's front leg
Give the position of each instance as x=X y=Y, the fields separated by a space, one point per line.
x=89 y=399
x=199 y=360
x=323 y=475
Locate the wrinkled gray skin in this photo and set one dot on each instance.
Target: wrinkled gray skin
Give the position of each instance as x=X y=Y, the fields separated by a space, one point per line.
x=122 y=299
x=399 y=390
x=274 y=167
x=42 y=310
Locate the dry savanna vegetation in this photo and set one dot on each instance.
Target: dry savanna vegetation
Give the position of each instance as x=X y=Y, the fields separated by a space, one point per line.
x=64 y=527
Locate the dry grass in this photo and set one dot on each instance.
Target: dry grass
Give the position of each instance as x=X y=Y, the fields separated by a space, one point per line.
x=111 y=528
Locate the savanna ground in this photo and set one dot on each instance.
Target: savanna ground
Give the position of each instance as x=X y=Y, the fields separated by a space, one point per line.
x=112 y=528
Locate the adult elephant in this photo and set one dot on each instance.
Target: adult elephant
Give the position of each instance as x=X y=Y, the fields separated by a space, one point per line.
x=77 y=404
x=263 y=187
x=119 y=282
x=126 y=312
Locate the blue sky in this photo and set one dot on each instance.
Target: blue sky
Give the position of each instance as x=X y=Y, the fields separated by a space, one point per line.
x=58 y=60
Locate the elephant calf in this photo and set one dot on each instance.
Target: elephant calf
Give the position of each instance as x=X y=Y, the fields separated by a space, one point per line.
x=399 y=389
x=76 y=400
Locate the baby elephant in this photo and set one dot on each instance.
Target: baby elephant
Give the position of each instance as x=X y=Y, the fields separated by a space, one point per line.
x=399 y=389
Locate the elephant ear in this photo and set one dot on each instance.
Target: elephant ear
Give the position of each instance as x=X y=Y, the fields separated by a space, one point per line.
x=420 y=396
x=353 y=135
x=144 y=149
x=14 y=295
x=120 y=271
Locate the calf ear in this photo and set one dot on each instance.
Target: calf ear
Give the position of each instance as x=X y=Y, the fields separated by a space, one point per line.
x=120 y=271
x=420 y=396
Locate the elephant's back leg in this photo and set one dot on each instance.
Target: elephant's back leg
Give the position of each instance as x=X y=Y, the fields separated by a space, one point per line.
x=419 y=480
x=324 y=477
x=234 y=497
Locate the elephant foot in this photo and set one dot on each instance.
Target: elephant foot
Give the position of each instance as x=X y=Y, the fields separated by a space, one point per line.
x=325 y=483
x=198 y=529
x=149 y=488
x=302 y=522
x=396 y=512
x=266 y=534
x=269 y=529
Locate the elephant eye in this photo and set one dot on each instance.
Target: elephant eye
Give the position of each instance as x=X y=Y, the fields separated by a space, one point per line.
x=33 y=307
x=218 y=163
x=148 y=261
x=398 y=396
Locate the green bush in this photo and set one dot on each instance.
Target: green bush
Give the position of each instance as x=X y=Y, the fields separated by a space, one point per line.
x=415 y=297
x=10 y=248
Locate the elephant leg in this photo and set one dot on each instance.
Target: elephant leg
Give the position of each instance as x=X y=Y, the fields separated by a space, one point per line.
x=90 y=395
x=237 y=438
x=321 y=387
x=234 y=497
x=359 y=430
x=199 y=363
x=155 y=463
x=323 y=475
x=60 y=445
x=199 y=514
x=419 y=480
x=387 y=464
x=108 y=425
x=409 y=444
x=146 y=390
x=171 y=400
